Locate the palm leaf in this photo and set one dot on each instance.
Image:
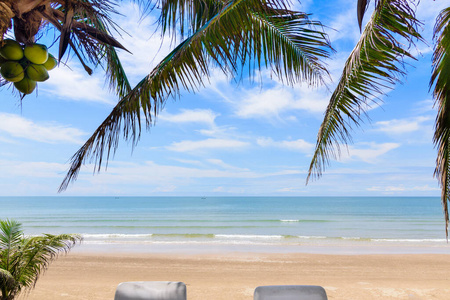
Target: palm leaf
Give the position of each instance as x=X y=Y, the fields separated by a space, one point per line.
x=23 y=259
x=441 y=80
x=291 y=43
x=35 y=255
x=10 y=237
x=251 y=32
x=89 y=32
x=361 y=10
x=66 y=29
x=39 y=251
x=374 y=65
x=187 y=16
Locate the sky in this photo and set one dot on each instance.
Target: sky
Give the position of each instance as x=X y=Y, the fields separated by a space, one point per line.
x=226 y=139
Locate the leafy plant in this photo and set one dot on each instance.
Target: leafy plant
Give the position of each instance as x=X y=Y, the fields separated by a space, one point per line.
x=23 y=259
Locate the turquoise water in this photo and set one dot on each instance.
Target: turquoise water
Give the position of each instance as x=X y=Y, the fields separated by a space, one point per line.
x=294 y=224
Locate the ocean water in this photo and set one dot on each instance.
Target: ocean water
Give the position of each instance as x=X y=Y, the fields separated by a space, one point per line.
x=250 y=224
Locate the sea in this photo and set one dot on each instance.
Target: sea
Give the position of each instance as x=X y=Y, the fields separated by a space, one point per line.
x=323 y=225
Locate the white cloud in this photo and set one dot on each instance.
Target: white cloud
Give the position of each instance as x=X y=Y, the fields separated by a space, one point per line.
x=208 y=144
x=269 y=103
x=289 y=190
x=76 y=84
x=296 y=145
x=274 y=103
x=345 y=24
x=219 y=131
x=425 y=106
x=387 y=189
x=206 y=116
x=425 y=188
x=21 y=127
x=402 y=188
x=153 y=174
x=35 y=170
x=311 y=100
x=222 y=164
x=7 y=140
x=188 y=161
x=368 y=154
x=143 y=41
x=218 y=189
x=219 y=83
x=427 y=12
x=401 y=126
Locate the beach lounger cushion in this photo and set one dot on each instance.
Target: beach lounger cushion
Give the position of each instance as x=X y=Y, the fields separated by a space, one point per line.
x=151 y=290
x=290 y=292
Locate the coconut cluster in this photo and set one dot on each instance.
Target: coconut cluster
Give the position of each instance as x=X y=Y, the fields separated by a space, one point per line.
x=25 y=66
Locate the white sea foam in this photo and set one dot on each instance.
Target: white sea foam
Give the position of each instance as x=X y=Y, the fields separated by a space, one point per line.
x=116 y=235
x=292 y=221
x=234 y=239
x=410 y=240
x=352 y=238
x=248 y=236
x=311 y=237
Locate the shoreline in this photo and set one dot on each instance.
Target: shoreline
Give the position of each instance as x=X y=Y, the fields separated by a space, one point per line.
x=325 y=247
x=235 y=275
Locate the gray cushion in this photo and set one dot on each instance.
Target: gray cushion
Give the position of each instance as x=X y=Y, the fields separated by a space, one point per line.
x=151 y=290
x=290 y=292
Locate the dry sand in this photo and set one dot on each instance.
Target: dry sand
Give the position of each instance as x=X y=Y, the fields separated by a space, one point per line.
x=235 y=276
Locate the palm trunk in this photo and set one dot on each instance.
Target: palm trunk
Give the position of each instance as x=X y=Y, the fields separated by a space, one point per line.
x=8 y=294
x=5 y=293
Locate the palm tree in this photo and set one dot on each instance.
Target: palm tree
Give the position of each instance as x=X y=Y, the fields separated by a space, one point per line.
x=374 y=66
x=84 y=27
x=23 y=259
x=441 y=80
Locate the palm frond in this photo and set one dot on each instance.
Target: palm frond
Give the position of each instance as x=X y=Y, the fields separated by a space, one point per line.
x=240 y=32
x=84 y=27
x=10 y=237
x=23 y=259
x=116 y=75
x=187 y=16
x=66 y=29
x=39 y=252
x=10 y=233
x=374 y=65
x=361 y=10
x=87 y=30
x=441 y=80
x=291 y=43
x=35 y=255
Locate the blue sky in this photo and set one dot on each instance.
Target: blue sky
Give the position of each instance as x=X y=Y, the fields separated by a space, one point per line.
x=225 y=139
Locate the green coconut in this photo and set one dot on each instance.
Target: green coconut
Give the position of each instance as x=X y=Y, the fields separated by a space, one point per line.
x=36 y=53
x=12 y=71
x=11 y=50
x=26 y=85
x=37 y=72
x=51 y=62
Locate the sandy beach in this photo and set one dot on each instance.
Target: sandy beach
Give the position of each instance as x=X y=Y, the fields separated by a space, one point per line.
x=236 y=275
